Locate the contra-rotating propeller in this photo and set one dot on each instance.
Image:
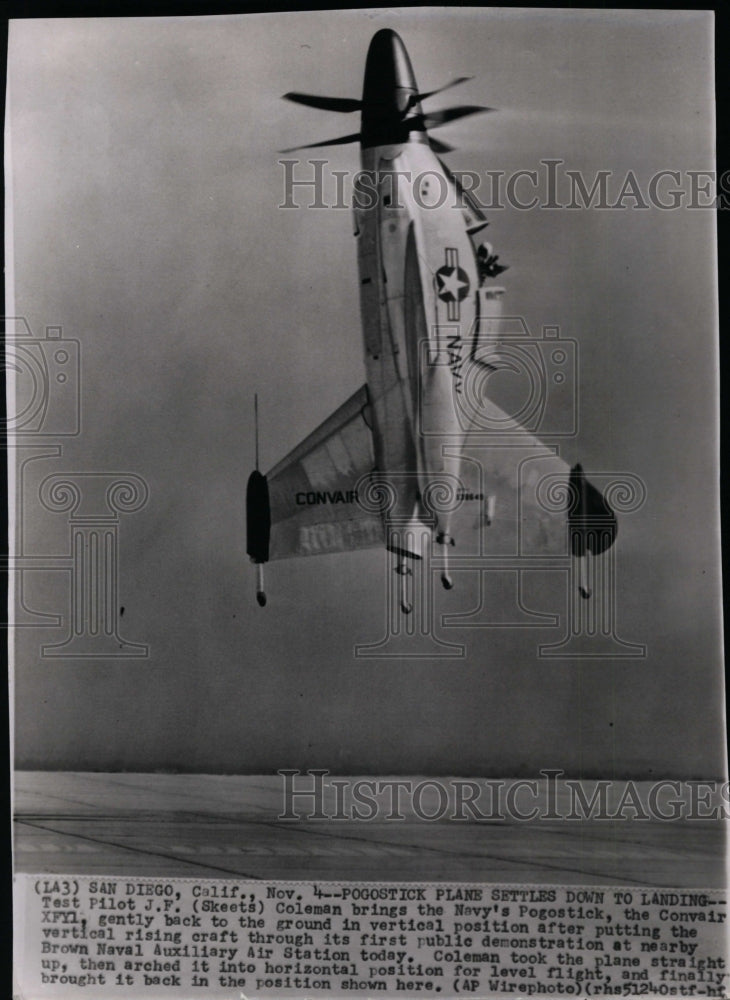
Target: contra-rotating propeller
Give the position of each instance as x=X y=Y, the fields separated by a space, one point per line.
x=400 y=128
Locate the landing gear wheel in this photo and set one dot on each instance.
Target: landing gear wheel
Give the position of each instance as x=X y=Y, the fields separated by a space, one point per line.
x=260 y=592
x=446 y=540
x=404 y=572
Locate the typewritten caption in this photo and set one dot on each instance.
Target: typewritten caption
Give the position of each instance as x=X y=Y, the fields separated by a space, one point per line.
x=173 y=937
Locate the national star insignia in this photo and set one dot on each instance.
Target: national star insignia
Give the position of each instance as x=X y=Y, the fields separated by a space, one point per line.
x=452 y=281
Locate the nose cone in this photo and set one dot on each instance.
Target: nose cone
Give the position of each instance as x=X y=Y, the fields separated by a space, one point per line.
x=389 y=92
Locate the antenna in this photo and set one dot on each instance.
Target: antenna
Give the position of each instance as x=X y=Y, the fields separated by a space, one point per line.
x=256 y=425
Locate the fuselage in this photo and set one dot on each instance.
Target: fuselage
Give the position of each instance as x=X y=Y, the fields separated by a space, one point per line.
x=418 y=291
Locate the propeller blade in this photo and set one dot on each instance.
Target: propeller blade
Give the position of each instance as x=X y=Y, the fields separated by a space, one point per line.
x=343 y=104
x=341 y=141
x=436 y=118
x=440 y=147
x=446 y=86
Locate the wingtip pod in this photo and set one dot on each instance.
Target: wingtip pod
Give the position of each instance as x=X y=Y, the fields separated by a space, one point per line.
x=258 y=518
x=258 y=528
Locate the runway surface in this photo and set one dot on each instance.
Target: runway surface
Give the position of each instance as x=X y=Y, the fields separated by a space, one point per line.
x=212 y=826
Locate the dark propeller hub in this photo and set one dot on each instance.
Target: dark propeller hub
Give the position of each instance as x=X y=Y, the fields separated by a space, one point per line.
x=391 y=109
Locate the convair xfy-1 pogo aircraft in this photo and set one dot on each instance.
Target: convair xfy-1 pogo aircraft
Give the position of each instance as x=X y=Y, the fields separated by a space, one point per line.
x=389 y=466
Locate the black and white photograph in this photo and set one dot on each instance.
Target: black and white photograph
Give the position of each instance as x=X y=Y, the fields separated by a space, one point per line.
x=363 y=449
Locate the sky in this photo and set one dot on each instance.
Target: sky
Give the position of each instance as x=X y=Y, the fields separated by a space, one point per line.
x=145 y=222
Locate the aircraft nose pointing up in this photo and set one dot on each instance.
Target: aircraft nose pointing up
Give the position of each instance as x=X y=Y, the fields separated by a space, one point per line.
x=389 y=92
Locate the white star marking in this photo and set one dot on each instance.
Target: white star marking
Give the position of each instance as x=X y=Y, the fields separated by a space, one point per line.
x=451 y=283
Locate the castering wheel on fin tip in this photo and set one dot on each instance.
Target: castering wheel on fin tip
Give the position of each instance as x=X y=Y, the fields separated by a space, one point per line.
x=404 y=571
